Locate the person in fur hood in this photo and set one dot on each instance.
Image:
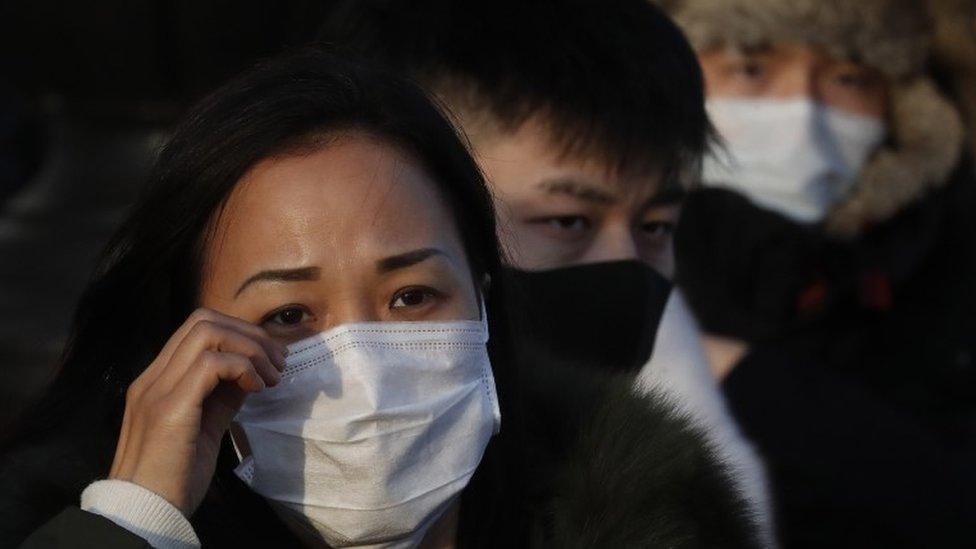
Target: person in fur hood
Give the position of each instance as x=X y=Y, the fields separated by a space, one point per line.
x=230 y=383
x=832 y=256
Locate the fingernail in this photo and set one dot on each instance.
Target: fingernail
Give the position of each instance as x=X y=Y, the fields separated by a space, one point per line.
x=275 y=378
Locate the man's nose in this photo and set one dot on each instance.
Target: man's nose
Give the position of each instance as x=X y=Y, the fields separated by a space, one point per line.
x=799 y=81
x=614 y=243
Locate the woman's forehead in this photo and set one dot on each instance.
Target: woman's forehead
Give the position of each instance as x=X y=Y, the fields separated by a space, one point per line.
x=357 y=198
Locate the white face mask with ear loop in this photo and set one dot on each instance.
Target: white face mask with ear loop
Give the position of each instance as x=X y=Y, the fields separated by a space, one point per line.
x=374 y=430
x=794 y=156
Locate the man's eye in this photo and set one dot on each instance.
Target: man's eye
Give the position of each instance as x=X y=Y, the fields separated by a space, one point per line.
x=290 y=316
x=658 y=229
x=574 y=223
x=412 y=297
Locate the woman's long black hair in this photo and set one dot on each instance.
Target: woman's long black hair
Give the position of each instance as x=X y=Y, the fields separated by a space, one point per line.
x=147 y=282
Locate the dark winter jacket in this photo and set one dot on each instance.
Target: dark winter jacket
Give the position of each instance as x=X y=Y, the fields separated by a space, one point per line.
x=595 y=465
x=860 y=386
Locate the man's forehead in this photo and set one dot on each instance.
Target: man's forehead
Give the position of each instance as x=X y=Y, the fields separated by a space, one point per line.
x=589 y=191
x=786 y=48
x=607 y=189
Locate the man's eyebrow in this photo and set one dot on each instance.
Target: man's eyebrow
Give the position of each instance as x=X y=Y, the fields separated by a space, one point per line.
x=404 y=260
x=579 y=190
x=282 y=275
x=754 y=49
x=669 y=195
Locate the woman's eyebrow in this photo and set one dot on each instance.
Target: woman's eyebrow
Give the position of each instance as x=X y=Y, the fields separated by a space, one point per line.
x=282 y=275
x=404 y=260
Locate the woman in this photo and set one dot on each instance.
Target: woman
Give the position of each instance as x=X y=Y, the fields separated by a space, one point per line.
x=310 y=272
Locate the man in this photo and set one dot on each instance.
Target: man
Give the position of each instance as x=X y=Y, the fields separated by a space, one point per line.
x=833 y=256
x=588 y=120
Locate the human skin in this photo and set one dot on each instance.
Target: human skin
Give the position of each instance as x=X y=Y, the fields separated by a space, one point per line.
x=556 y=210
x=352 y=230
x=786 y=71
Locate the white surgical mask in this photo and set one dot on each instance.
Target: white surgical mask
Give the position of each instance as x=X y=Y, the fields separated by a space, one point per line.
x=374 y=429
x=796 y=157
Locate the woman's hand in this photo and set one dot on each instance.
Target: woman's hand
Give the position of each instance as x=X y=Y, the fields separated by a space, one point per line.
x=178 y=410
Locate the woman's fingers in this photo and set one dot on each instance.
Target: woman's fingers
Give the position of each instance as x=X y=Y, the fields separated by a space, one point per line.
x=173 y=444
x=174 y=341
x=220 y=408
x=208 y=337
x=274 y=350
x=213 y=369
x=178 y=409
x=197 y=324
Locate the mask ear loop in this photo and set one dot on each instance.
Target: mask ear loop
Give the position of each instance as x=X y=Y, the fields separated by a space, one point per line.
x=238 y=439
x=482 y=289
x=482 y=309
x=245 y=463
x=489 y=375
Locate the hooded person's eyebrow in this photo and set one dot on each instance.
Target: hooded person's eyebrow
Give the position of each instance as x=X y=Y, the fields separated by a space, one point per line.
x=300 y=274
x=753 y=49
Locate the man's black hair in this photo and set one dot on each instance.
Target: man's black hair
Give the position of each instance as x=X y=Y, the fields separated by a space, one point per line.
x=614 y=79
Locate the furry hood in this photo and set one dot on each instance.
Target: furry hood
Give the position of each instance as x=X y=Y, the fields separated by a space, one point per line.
x=954 y=50
x=925 y=130
x=612 y=467
x=890 y=35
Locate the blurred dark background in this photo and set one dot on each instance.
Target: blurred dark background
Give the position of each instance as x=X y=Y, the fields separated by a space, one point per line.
x=88 y=91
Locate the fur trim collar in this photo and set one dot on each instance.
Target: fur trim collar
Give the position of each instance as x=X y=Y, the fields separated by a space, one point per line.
x=928 y=137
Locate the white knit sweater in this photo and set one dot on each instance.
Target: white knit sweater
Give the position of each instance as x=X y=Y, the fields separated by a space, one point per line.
x=141 y=512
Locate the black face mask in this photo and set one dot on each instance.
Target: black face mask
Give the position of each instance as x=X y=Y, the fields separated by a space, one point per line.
x=602 y=315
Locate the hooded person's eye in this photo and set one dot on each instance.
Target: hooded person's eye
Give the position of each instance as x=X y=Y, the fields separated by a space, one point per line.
x=750 y=69
x=853 y=80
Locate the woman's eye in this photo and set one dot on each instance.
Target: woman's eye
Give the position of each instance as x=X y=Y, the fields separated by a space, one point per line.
x=291 y=316
x=412 y=297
